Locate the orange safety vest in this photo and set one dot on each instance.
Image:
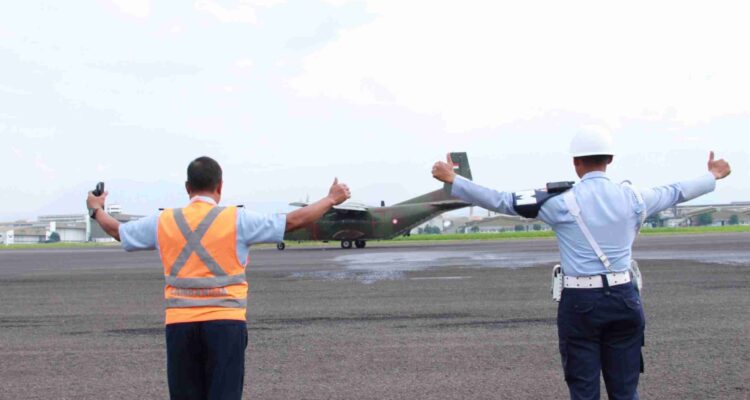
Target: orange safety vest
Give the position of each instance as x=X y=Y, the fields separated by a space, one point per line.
x=205 y=280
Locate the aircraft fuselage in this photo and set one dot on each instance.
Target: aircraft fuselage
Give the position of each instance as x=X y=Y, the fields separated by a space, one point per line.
x=377 y=223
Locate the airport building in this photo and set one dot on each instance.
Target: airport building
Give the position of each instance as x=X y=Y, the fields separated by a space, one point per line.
x=737 y=213
x=31 y=235
x=446 y=223
x=505 y=223
x=70 y=228
x=21 y=232
x=494 y=223
x=41 y=232
x=97 y=234
x=7 y=237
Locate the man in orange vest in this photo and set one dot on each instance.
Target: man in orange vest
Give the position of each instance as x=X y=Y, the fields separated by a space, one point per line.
x=204 y=249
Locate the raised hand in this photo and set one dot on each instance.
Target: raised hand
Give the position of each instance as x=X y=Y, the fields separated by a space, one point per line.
x=720 y=168
x=339 y=192
x=443 y=171
x=96 y=201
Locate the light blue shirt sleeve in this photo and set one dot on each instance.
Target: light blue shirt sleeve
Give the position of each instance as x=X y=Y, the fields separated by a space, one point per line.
x=660 y=198
x=139 y=234
x=489 y=199
x=255 y=228
x=554 y=212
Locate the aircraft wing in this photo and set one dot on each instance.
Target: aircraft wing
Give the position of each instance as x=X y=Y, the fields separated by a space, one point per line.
x=341 y=207
x=351 y=207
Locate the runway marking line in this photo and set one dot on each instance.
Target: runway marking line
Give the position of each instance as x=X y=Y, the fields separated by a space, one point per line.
x=439 y=278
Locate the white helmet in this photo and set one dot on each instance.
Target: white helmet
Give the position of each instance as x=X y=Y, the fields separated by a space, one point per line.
x=592 y=141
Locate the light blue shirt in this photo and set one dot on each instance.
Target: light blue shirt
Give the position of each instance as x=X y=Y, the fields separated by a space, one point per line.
x=610 y=210
x=252 y=228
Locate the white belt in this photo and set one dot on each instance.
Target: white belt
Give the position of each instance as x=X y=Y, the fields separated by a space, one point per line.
x=595 y=281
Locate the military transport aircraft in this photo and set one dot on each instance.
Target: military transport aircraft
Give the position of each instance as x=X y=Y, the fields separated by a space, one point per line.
x=355 y=224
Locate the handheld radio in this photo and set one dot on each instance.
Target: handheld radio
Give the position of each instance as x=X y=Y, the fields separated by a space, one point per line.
x=99 y=190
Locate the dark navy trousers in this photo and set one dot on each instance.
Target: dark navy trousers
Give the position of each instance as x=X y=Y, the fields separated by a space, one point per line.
x=206 y=360
x=601 y=332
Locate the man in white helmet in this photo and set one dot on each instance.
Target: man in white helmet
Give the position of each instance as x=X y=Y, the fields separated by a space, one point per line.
x=600 y=317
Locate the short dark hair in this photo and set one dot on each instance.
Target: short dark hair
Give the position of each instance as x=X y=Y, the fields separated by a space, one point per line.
x=204 y=173
x=601 y=159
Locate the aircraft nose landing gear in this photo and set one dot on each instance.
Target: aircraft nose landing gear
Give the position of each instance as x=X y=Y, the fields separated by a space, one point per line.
x=281 y=246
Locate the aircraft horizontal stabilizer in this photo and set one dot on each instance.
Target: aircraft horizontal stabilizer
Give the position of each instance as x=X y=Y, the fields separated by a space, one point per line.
x=448 y=203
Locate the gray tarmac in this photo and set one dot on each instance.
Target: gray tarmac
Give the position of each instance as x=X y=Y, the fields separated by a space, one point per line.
x=468 y=320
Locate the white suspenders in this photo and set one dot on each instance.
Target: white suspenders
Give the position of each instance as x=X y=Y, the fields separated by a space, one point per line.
x=641 y=204
x=634 y=270
x=575 y=210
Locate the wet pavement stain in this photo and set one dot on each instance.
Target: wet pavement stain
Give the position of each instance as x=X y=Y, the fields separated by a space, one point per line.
x=26 y=322
x=498 y=324
x=356 y=319
x=136 y=332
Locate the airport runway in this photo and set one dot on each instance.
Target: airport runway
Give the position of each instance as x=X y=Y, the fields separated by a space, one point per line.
x=470 y=320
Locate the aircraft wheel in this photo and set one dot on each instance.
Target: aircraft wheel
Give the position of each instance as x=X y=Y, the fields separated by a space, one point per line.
x=360 y=244
x=346 y=244
x=281 y=246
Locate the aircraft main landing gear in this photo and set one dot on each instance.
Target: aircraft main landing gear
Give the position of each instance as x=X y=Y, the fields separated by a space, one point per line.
x=281 y=246
x=348 y=244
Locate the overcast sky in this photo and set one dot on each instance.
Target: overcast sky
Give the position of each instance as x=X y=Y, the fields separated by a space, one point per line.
x=288 y=94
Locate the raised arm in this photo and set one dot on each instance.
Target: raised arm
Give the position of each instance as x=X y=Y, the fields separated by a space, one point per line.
x=338 y=194
x=110 y=225
x=660 y=198
x=471 y=192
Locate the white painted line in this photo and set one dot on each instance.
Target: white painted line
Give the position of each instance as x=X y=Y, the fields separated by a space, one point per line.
x=439 y=278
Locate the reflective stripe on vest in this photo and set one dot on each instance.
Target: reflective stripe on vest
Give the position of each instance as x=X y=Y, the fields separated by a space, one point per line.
x=195 y=283
x=208 y=302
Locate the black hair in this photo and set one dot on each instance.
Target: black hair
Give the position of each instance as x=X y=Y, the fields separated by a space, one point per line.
x=204 y=173
x=601 y=159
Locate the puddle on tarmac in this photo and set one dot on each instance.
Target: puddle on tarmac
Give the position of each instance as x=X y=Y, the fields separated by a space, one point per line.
x=369 y=268
x=372 y=267
x=724 y=258
x=417 y=261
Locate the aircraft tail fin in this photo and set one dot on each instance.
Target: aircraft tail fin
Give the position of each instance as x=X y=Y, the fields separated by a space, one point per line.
x=461 y=164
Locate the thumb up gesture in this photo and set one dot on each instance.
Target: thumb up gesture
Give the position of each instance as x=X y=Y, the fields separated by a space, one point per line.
x=443 y=171
x=339 y=192
x=719 y=168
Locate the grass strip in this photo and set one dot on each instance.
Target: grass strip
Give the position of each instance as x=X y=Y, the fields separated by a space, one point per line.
x=701 y=230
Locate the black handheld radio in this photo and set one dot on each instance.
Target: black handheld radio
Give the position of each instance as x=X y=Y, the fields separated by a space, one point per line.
x=99 y=189
x=528 y=203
